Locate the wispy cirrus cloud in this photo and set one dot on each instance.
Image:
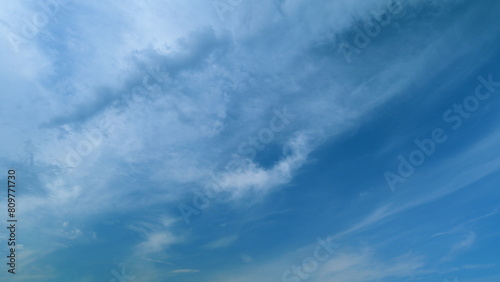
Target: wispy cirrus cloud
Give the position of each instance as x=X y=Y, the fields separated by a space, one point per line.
x=222 y=242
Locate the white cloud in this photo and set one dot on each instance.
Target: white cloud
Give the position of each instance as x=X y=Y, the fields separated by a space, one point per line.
x=185 y=271
x=222 y=242
x=249 y=176
x=347 y=264
x=224 y=79
x=156 y=242
x=365 y=266
x=464 y=244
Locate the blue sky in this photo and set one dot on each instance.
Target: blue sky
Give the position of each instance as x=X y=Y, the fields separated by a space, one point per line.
x=236 y=140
